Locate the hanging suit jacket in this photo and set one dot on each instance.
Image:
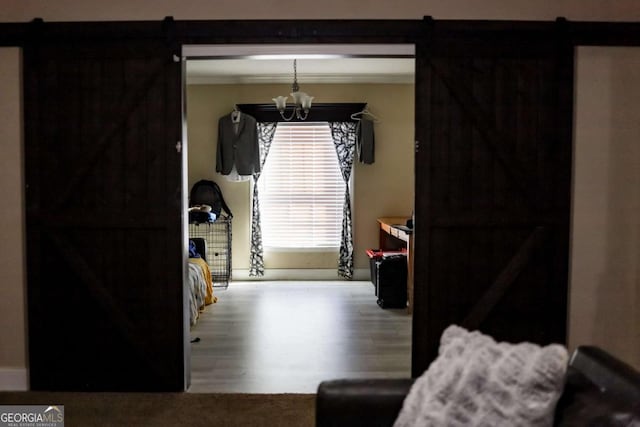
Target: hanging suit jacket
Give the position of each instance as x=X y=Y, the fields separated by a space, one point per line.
x=239 y=148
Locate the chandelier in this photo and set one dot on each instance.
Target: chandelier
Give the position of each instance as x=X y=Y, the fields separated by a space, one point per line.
x=301 y=100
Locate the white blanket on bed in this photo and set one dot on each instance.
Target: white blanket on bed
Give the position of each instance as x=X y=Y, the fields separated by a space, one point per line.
x=197 y=289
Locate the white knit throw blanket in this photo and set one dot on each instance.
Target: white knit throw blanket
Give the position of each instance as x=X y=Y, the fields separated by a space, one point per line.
x=477 y=382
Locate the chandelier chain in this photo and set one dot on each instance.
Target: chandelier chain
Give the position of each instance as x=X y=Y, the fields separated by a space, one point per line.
x=295 y=86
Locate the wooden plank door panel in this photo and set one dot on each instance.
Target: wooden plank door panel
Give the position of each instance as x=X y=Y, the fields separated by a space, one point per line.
x=492 y=186
x=104 y=228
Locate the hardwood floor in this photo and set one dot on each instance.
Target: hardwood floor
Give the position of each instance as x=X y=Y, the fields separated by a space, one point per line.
x=286 y=337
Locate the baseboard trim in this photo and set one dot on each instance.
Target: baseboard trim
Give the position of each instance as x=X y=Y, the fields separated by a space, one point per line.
x=299 y=274
x=361 y=274
x=14 y=379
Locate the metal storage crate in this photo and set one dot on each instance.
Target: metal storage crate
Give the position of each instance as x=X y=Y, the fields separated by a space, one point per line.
x=217 y=236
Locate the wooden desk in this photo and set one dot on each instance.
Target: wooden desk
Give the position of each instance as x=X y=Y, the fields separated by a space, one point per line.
x=392 y=238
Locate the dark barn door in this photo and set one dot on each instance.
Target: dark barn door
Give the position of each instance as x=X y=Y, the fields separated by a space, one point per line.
x=103 y=202
x=493 y=170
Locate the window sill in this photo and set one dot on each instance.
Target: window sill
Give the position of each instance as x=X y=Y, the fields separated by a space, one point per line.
x=305 y=250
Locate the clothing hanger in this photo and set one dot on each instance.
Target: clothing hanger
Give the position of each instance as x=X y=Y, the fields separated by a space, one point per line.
x=235 y=114
x=367 y=112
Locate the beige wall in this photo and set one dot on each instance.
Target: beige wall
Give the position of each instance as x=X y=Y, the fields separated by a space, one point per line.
x=382 y=189
x=12 y=261
x=605 y=279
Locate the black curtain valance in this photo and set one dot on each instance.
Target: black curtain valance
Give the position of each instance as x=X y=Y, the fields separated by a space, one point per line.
x=330 y=112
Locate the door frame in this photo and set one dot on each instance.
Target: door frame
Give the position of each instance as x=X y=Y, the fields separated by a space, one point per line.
x=187 y=32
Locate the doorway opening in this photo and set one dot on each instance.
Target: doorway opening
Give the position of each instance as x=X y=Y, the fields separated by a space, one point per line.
x=300 y=324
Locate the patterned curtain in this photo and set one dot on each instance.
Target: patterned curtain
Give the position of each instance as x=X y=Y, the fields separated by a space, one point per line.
x=265 y=137
x=344 y=138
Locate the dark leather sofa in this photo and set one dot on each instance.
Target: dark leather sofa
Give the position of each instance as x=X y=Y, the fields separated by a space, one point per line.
x=600 y=390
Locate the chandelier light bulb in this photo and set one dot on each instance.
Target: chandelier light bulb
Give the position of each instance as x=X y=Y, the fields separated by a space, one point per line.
x=281 y=102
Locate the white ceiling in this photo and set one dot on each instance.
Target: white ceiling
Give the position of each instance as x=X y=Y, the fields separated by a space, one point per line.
x=228 y=64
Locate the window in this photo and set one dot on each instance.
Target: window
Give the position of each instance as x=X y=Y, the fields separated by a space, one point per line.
x=301 y=189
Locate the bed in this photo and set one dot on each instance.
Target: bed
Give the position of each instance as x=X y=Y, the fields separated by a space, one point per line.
x=199 y=286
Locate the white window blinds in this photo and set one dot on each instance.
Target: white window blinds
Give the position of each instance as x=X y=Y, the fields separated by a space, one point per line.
x=301 y=189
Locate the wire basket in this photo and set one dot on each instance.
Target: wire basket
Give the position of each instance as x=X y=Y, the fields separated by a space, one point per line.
x=217 y=236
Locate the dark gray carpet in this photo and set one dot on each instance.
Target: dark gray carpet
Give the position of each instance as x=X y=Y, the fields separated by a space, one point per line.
x=174 y=409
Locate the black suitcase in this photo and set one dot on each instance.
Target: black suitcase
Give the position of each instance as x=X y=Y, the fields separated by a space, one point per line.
x=391 y=281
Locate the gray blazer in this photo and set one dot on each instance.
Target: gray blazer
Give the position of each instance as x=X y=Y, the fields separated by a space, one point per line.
x=241 y=148
x=365 y=144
